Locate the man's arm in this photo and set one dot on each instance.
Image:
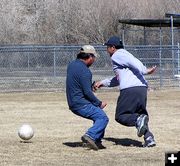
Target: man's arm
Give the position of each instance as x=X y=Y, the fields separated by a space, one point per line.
x=87 y=90
x=112 y=82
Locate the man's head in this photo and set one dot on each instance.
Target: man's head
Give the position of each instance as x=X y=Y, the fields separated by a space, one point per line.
x=113 y=44
x=87 y=54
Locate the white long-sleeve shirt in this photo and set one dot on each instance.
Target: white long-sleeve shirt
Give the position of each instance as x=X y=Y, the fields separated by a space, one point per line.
x=128 y=71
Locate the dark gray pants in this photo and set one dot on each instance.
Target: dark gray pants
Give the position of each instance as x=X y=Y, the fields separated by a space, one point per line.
x=131 y=103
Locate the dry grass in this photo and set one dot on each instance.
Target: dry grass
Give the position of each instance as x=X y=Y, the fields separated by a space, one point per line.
x=58 y=131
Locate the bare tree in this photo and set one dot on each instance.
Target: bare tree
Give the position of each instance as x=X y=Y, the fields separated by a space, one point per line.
x=73 y=21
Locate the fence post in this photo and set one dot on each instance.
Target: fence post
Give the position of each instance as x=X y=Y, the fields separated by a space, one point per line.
x=54 y=63
x=160 y=57
x=172 y=43
x=28 y=61
x=178 y=59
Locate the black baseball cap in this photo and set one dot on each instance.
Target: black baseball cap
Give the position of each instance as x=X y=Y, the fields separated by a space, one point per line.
x=114 y=41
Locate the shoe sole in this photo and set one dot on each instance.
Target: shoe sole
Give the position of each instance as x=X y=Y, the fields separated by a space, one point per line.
x=143 y=126
x=89 y=142
x=152 y=144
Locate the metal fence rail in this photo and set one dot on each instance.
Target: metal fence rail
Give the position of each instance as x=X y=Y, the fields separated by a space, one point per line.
x=25 y=68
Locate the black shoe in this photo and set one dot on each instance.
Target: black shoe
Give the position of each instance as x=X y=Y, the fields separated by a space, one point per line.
x=142 y=124
x=100 y=145
x=89 y=142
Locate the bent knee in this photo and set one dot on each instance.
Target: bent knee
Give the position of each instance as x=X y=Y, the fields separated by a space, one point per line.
x=105 y=119
x=122 y=121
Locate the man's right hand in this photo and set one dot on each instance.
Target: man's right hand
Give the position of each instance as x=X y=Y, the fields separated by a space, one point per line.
x=98 y=84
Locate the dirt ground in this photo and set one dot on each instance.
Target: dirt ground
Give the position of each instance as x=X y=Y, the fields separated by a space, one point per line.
x=57 y=131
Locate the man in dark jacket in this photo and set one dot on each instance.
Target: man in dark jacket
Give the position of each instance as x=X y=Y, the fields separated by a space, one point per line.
x=81 y=99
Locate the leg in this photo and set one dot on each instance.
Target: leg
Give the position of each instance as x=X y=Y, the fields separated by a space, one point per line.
x=100 y=122
x=131 y=109
x=100 y=119
x=149 y=139
x=126 y=110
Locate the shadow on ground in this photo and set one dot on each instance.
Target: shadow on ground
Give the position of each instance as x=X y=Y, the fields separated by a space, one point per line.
x=73 y=144
x=124 y=141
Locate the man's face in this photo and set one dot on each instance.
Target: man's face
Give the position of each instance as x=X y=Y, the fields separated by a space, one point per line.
x=111 y=50
x=91 y=60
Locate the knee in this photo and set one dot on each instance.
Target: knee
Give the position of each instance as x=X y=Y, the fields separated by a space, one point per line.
x=122 y=121
x=119 y=120
x=105 y=120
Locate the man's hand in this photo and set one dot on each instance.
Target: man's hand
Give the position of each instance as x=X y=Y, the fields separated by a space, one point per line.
x=103 y=105
x=96 y=85
x=151 y=70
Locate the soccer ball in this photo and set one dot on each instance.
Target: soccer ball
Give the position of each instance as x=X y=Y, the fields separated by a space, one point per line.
x=25 y=132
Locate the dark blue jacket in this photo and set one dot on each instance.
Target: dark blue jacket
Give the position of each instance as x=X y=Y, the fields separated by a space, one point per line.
x=78 y=86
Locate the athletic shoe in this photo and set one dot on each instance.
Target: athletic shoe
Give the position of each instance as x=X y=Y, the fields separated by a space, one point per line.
x=149 y=142
x=100 y=145
x=142 y=124
x=89 y=142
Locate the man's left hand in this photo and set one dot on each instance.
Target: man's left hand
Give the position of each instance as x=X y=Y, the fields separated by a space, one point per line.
x=151 y=70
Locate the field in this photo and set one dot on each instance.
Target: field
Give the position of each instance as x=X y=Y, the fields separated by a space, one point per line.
x=58 y=131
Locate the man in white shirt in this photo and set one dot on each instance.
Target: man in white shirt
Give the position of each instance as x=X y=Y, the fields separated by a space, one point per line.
x=129 y=76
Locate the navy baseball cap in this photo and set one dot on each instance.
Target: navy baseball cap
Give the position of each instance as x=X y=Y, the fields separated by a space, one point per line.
x=114 y=41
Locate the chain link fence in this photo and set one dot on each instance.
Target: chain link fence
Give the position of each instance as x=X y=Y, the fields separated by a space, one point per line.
x=28 y=68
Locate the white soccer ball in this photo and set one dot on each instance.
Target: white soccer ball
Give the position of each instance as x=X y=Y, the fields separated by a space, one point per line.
x=25 y=132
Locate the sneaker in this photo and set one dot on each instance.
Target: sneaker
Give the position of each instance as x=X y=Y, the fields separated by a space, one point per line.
x=142 y=124
x=149 y=142
x=89 y=142
x=100 y=145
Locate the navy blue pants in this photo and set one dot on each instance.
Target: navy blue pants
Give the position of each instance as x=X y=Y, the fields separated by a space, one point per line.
x=99 y=118
x=130 y=104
